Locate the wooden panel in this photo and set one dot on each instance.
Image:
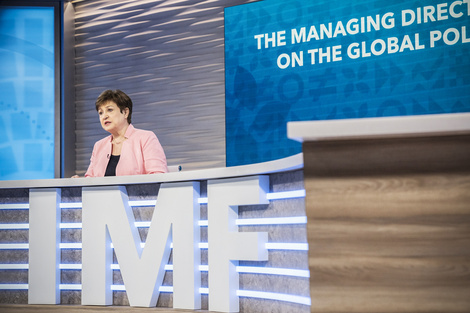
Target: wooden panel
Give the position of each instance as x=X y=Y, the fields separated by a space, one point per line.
x=389 y=225
x=387 y=156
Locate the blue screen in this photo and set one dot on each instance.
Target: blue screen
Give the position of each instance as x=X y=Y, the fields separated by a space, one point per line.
x=321 y=60
x=26 y=93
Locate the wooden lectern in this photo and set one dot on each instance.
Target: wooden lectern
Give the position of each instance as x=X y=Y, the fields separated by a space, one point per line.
x=388 y=208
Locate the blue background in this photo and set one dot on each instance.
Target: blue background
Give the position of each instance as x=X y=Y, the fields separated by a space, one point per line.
x=261 y=98
x=26 y=93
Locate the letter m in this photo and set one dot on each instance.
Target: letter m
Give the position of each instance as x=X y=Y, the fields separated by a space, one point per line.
x=107 y=217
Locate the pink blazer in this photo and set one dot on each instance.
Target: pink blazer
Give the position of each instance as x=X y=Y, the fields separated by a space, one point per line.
x=141 y=154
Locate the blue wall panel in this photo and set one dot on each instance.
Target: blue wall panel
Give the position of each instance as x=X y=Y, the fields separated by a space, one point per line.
x=26 y=93
x=353 y=59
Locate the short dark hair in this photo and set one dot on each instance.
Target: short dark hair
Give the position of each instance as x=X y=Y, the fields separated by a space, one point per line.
x=117 y=96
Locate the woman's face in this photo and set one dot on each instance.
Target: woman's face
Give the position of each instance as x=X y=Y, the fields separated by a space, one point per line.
x=111 y=118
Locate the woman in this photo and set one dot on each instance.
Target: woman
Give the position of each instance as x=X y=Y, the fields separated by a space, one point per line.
x=127 y=151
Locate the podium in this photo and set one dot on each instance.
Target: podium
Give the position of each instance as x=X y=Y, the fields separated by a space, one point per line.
x=388 y=211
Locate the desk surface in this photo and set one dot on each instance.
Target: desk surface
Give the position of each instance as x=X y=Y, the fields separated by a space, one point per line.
x=290 y=163
x=381 y=127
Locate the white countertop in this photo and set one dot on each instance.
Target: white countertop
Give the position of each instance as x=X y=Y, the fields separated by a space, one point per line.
x=286 y=164
x=380 y=127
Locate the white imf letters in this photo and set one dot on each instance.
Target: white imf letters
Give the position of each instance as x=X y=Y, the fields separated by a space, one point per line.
x=226 y=244
x=108 y=219
x=44 y=252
